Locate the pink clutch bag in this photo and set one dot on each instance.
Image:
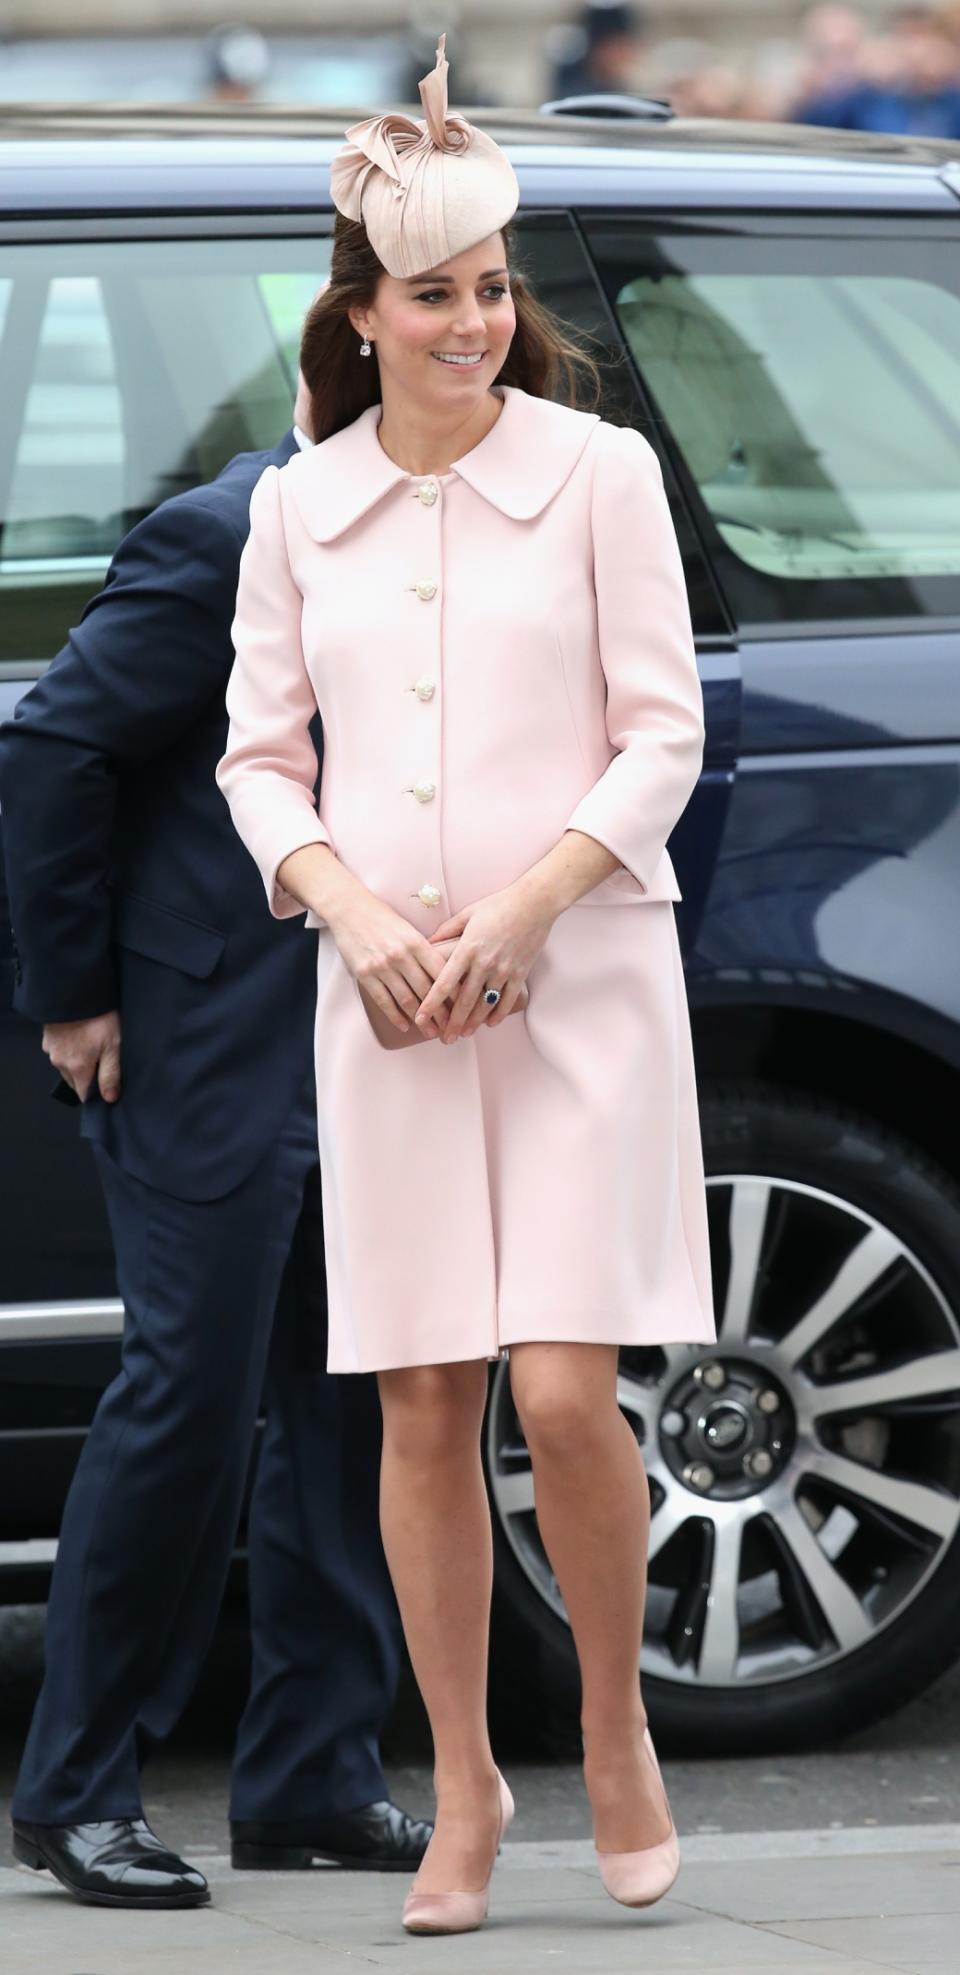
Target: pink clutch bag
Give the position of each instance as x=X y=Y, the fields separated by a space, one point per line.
x=390 y=1038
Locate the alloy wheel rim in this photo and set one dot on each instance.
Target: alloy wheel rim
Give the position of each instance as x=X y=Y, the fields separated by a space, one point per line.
x=825 y=1423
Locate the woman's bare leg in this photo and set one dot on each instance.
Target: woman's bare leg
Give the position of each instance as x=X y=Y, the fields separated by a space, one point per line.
x=593 y=1510
x=436 y=1532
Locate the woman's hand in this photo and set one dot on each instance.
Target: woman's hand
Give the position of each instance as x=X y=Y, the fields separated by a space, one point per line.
x=499 y=940
x=388 y=957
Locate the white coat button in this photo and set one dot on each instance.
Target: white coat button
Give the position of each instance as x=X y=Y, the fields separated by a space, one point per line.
x=428 y=492
x=425 y=688
x=428 y=895
x=426 y=591
x=424 y=791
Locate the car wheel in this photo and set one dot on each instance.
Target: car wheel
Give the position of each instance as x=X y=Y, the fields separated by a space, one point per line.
x=804 y=1472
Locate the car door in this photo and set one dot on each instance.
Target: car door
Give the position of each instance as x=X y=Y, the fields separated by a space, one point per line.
x=804 y=370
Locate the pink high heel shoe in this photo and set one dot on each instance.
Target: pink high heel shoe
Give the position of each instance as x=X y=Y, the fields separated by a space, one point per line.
x=456 y=1913
x=641 y=1878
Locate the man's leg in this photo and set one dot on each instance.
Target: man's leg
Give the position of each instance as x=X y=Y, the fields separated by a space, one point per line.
x=153 y=1508
x=325 y=1627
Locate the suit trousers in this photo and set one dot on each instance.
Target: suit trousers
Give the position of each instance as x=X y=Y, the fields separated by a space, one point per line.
x=225 y=1307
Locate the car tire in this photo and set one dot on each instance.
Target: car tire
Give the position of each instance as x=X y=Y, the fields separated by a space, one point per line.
x=869 y=1188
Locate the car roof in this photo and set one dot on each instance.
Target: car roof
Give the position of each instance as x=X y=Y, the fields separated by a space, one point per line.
x=119 y=159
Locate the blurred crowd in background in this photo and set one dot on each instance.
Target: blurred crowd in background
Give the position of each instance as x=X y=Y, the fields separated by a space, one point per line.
x=856 y=68
x=842 y=69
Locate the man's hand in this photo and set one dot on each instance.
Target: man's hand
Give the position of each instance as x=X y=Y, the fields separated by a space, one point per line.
x=84 y=1051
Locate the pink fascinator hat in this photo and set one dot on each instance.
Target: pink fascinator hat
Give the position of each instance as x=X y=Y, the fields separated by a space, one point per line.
x=424 y=191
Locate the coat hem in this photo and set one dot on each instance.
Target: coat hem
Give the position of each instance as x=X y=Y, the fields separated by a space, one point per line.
x=559 y=1327
x=605 y=1327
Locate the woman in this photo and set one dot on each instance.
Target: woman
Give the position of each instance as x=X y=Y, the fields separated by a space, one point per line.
x=481 y=591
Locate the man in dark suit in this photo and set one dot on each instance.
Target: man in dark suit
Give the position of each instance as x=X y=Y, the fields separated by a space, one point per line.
x=145 y=948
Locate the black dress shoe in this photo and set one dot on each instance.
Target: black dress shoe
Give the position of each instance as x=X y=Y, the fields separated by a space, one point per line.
x=377 y=1838
x=119 y=1862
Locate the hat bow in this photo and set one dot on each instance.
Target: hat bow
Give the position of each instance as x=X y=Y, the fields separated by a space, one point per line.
x=380 y=143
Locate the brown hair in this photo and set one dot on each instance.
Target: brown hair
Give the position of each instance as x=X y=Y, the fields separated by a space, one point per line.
x=544 y=357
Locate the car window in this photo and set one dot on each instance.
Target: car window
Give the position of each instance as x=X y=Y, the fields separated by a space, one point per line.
x=128 y=372
x=551 y=254
x=812 y=390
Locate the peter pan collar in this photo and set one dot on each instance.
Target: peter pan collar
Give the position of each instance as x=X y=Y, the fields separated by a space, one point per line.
x=518 y=467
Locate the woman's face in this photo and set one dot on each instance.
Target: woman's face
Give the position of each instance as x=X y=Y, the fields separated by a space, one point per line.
x=460 y=310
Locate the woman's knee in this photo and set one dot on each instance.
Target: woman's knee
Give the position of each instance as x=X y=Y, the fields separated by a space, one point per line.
x=565 y=1397
x=432 y=1411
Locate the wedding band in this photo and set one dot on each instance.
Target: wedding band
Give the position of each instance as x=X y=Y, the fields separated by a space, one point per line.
x=491 y=996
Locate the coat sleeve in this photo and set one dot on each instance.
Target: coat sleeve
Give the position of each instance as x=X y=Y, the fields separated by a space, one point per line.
x=150 y=654
x=269 y=769
x=654 y=710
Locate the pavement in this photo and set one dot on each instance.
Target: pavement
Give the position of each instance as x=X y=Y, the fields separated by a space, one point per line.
x=848 y=1902
x=837 y=1860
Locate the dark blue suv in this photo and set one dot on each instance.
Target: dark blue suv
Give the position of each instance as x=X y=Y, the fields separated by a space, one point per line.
x=778 y=310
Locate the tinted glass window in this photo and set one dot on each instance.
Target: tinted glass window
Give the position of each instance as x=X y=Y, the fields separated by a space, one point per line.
x=551 y=254
x=128 y=372
x=812 y=391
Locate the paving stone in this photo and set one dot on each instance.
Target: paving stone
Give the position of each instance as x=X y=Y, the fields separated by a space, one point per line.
x=908 y=1941
x=849 y=1912
x=824 y=1888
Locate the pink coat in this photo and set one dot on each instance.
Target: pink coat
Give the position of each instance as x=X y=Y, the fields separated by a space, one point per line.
x=499 y=653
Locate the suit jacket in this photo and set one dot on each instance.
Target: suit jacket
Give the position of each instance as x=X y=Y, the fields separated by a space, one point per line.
x=494 y=664
x=128 y=886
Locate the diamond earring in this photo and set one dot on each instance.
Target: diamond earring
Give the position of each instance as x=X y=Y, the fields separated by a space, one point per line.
x=365 y=347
